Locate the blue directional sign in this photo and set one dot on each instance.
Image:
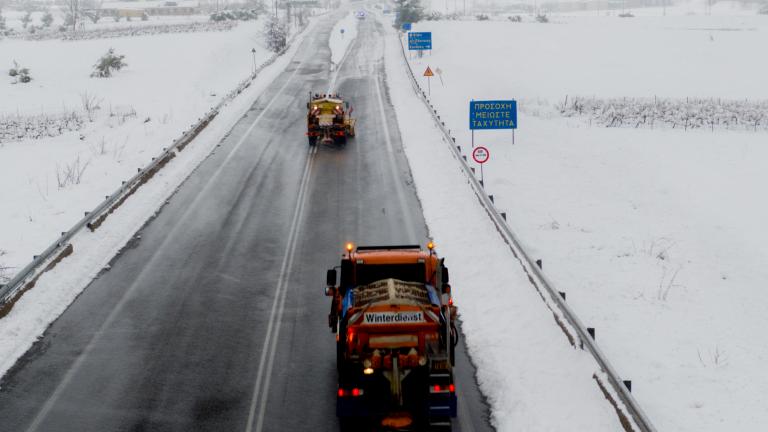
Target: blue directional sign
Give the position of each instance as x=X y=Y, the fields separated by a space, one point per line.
x=419 y=41
x=495 y=114
x=407 y=26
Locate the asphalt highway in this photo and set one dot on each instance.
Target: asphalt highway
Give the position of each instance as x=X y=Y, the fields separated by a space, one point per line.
x=214 y=318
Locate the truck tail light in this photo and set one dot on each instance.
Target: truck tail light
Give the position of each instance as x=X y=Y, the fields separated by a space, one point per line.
x=355 y=392
x=443 y=389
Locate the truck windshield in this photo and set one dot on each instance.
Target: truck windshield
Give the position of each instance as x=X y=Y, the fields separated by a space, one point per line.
x=368 y=273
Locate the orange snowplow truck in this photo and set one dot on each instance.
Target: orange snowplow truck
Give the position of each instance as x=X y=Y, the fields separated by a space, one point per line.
x=329 y=119
x=394 y=321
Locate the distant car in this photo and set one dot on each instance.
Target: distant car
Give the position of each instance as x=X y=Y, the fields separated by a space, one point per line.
x=386 y=11
x=360 y=15
x=170 y=3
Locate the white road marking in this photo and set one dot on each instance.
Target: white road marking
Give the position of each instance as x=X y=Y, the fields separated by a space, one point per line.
x=51 y=401
x=260 y=394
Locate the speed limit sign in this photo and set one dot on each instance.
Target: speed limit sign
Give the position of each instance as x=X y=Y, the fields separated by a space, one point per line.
x=481 y=154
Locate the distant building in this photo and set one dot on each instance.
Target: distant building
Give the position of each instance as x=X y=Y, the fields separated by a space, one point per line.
x=135 y=9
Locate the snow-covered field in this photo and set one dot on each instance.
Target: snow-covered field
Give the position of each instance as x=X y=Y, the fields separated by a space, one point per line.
x=57 y=288
x=169 y=83
x=533 y=378
x=657 y=236
x=14 y=20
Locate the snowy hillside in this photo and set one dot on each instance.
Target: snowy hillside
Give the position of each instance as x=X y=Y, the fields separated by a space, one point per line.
x=656 y=235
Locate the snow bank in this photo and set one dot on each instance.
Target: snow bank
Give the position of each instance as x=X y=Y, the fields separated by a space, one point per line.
x=533 y=378
x=670 y=113
x=657 y=236
x=342 y=35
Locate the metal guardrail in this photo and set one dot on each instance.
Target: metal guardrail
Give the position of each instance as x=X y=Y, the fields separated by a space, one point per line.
x=631 y=406
x=42 y=262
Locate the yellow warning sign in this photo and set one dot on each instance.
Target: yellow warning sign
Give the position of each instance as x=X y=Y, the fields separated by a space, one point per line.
x=428 y=72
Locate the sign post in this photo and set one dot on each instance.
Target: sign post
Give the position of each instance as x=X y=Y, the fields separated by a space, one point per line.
x=428 y=73
x=481 y=155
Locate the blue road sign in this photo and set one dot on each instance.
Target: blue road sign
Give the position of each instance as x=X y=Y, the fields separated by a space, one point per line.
x=494 y=114
x=407 y=26
x=419 y=41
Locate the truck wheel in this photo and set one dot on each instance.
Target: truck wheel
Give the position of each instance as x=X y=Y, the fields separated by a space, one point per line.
x=312 y=140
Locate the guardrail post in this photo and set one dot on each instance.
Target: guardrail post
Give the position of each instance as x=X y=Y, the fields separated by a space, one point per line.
x=503 y=215
x=540 y=264
x=628 y=385
x=491 y=198
x=591 y=331
x=562 y=294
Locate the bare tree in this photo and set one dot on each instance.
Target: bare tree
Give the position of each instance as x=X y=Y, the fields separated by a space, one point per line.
x=4 y=276
x=72 y=10
x=2 y=18
x=91 y=9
